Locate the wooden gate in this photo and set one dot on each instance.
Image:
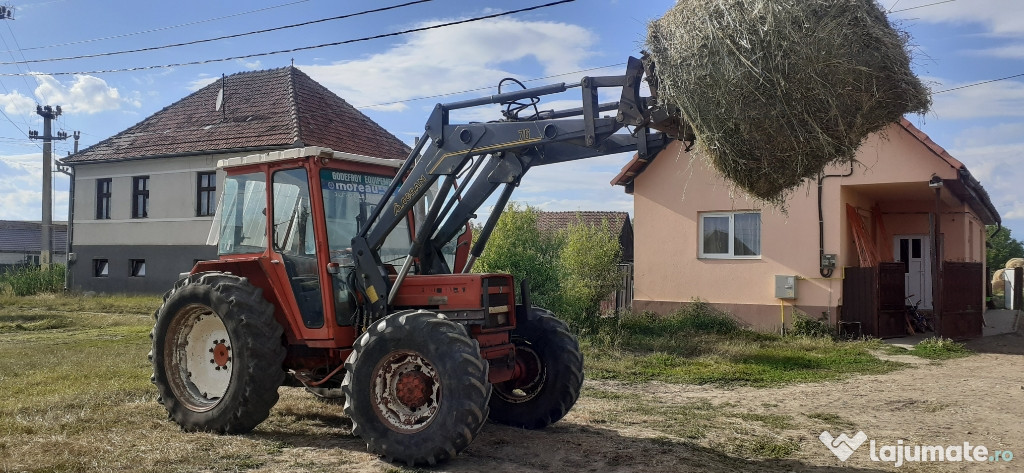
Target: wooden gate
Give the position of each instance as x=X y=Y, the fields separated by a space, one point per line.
x=963 y=293
x=873 y=298
x=892 y=320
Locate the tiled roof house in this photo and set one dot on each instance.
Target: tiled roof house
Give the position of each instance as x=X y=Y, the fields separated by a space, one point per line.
x=144 y=198
x=618 y=223
x=20 y=242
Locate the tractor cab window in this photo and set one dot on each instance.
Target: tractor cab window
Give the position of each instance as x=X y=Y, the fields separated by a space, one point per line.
x=293 y=218
x=241 y=219
x=349 y=199
x=295 y=240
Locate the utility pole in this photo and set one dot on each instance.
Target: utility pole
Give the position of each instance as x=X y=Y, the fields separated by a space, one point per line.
x=49 y=114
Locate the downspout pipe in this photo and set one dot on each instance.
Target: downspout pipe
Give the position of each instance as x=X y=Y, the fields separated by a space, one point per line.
x=825 y=272
x=69 y=245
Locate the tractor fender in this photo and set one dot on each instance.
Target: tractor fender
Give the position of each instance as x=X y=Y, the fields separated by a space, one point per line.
x=252 y=269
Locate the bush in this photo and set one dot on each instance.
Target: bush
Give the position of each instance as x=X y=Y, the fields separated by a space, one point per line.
x=29 y=280
x=519 y=248
x=808 y=327
x=587 y=273
x=570 y=272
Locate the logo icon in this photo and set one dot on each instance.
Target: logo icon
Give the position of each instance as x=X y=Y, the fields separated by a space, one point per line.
x=843 y=446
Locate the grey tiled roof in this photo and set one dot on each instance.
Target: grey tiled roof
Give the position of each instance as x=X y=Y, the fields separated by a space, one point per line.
x=25 y=237
x=260 y=109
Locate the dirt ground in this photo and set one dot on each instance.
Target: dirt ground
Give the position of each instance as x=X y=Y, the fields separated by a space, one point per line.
x=978 y=399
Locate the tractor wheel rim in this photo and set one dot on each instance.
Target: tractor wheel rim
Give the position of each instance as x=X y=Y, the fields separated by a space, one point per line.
x=201 y=361
x=530 y=381
x=406 y=391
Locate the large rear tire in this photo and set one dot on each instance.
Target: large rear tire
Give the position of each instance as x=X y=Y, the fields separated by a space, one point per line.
x=551 y=374
x=416 y=388
x=217 y=354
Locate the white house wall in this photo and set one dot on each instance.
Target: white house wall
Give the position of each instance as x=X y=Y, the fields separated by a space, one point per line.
x=169 y=240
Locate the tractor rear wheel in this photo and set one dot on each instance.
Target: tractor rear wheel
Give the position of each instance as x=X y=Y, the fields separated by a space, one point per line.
x=550 y=374
x=217 y=354
x=416 y=388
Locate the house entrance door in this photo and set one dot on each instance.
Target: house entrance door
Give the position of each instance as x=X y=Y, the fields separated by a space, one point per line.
x=913 y=251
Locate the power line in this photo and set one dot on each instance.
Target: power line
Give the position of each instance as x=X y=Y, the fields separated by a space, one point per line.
x=979 y=83
x=919 y=6
x=302 y=48
x=326 y=111
x=164 y=28
x=446 y=94
x=231 y=36
x=15 y=39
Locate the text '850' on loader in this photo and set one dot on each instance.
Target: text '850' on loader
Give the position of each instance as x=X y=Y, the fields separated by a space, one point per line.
x=305 y=292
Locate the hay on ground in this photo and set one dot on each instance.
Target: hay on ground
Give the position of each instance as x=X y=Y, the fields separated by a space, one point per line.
x=775 y=90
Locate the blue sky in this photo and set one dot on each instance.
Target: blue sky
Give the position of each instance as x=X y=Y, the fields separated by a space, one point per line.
x=956 y=43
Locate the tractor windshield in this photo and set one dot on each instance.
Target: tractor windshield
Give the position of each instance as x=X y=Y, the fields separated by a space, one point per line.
x=349 y=199
x=241 y=219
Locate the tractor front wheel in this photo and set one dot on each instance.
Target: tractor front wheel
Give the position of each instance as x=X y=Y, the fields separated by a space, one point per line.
x=549 y=370
x=217 y=354
x=416 y=388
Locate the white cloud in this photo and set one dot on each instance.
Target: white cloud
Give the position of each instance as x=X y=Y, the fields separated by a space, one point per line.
x=87 y=94
x=251 y=65
x=200 y=82
x=996 y=99
x=21 y=189
x=1001 y=17
x=453 y=59
x=996 y=165
x=14 y=103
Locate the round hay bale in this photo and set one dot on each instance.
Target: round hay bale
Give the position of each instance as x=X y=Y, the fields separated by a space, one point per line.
x=776 y=90
x=1015 y=263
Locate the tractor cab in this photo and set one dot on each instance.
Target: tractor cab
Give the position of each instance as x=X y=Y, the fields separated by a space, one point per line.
x=300 y=233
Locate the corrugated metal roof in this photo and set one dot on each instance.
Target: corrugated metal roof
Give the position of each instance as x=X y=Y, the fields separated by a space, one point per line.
x=257 y=110
x=26 y=237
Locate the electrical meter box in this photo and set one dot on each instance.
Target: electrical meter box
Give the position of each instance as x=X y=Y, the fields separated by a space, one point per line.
x=785 y=287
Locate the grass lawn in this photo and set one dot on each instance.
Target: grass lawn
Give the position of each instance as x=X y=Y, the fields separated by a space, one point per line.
x=702 y=346
x=75 y=392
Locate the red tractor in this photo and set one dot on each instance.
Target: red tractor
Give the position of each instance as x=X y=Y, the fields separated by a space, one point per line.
x=306 y=291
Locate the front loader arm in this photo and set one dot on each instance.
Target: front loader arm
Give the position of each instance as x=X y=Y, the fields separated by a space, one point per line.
x=488 y=156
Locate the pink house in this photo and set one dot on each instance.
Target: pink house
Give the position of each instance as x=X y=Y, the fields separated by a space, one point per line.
x=853 y=246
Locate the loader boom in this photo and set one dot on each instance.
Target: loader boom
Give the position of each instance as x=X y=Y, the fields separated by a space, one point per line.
x=489 y=156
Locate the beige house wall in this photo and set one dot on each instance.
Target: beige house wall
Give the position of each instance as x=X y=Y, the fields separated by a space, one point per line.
x=676 y=187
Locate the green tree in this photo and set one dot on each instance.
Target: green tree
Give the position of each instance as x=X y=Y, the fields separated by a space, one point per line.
x=588 y=267
x=1001 y=247
x=517 y=247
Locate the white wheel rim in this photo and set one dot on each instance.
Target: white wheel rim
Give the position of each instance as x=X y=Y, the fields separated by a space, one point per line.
x=201 y=358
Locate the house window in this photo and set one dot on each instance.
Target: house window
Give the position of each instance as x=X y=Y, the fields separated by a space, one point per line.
x=730 y=235
x=206 y=190
x=100 y=268
x=140 y=197
x=102 y=199
x=138 y=268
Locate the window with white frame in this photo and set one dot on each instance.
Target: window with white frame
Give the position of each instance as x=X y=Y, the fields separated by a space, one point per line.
x=734 y=235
